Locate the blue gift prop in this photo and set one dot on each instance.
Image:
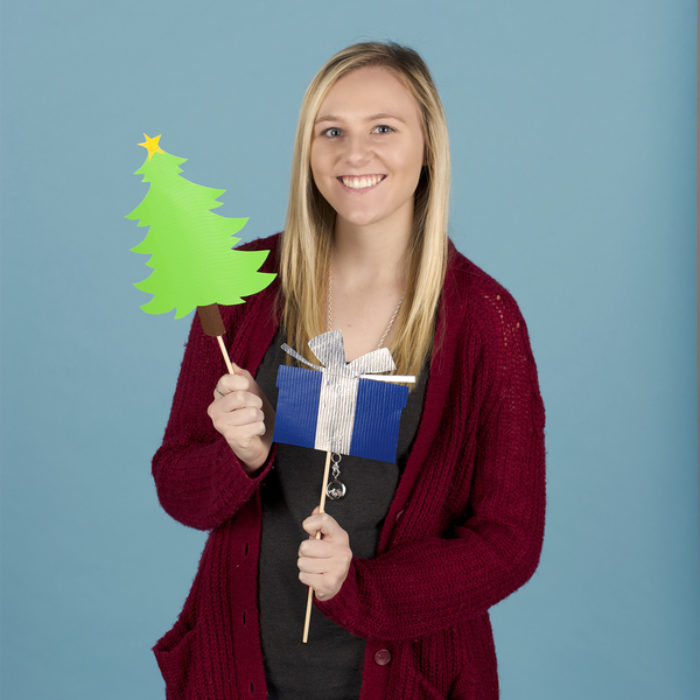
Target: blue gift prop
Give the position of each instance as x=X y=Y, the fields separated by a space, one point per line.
x=338 y=406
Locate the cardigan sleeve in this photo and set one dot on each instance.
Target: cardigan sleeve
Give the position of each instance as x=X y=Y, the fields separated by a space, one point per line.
x=432 y=583
x=199 y=480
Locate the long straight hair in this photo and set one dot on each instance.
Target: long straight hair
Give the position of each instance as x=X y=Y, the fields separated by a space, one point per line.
x=308 y=234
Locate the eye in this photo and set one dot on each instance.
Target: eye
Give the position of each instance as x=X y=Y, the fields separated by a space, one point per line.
x=383 y=129
x=332 y=132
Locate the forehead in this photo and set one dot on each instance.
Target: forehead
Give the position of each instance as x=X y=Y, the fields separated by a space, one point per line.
x=368 y=91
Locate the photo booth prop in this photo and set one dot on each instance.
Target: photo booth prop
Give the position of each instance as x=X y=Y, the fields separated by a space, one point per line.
x=191 y=248
x=337 y=406
x=340 y=407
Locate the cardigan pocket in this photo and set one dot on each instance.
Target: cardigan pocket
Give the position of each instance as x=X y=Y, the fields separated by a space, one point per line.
x=418 y=687
x=173 y=653
x=464 y=687
x=459 y=685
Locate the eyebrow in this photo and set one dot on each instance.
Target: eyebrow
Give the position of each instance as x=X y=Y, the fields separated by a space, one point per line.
x=371 y=118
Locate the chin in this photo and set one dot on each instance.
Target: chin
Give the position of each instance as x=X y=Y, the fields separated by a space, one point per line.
x=359 y=220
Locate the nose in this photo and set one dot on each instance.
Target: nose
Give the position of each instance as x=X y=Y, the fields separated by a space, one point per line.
x=358 y=150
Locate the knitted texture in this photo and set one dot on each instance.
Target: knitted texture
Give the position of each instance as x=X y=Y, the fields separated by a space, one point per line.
x=463 y=531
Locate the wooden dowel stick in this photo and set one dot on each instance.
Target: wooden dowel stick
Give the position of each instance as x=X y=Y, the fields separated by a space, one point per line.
x=324 y=489
x=321 y=507
x=224 y=352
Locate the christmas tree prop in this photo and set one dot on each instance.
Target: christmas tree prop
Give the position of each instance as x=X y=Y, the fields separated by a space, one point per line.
x=340 y=407
x=191 y=247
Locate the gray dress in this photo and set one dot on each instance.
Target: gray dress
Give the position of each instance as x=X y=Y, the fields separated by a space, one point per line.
x=329 y=667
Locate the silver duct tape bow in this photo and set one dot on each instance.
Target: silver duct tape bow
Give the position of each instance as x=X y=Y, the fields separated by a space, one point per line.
x=339 y=384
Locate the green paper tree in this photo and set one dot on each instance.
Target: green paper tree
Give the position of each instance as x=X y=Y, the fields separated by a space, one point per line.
x=190 y=246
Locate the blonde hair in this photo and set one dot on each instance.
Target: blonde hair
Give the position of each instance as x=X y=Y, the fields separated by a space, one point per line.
x=308 y=234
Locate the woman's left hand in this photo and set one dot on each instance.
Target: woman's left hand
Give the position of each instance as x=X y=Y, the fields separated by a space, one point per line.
x=324 y=564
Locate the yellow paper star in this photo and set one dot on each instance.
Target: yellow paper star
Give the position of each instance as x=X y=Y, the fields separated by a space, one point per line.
x=151 y=145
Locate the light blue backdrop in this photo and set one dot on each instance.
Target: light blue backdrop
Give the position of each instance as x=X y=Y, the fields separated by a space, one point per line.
x=572 y=128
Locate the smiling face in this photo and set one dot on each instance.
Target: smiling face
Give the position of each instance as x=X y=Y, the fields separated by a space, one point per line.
x=368 y=149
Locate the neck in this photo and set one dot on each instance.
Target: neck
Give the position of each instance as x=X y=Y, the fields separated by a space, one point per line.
x=370 y=252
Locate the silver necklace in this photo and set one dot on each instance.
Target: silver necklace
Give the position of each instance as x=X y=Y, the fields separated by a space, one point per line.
x=336 y=489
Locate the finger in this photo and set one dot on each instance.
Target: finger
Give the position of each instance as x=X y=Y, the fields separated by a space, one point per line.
x=245 y=434
x=238 y=424
x=323 y=588
x=238 y=370
x=221 y=388
x=323 y=523
x=240 y=399
x=234 y=382
x=314 y=580
x=224 y=411
x=312 y=566
x=316 y=549
x=245 y=416
x=319 y=582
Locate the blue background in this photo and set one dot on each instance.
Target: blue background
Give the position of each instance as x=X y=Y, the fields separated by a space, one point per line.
x=573 y=138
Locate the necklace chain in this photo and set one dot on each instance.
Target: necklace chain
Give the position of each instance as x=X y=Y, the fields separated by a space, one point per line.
x=387 y=330
x=336 y=489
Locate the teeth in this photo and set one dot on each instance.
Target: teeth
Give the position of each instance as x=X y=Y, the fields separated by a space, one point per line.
x=359 y=183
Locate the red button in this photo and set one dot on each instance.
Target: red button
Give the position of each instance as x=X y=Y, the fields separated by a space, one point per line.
x=382 y=657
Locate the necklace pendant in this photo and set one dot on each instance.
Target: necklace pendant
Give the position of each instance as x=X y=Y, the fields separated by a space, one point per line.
x=335 y=490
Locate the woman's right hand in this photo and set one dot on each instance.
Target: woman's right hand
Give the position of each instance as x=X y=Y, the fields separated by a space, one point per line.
x=243 y=415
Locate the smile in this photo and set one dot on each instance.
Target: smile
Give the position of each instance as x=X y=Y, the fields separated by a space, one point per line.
x=361 y=182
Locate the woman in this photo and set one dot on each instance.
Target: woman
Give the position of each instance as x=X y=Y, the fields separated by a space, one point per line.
x=412 y=554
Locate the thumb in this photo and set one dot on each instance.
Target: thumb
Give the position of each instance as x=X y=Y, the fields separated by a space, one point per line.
x=238 y=370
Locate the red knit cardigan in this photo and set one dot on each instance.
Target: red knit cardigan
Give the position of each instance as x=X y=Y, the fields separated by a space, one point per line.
x=463 y=531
